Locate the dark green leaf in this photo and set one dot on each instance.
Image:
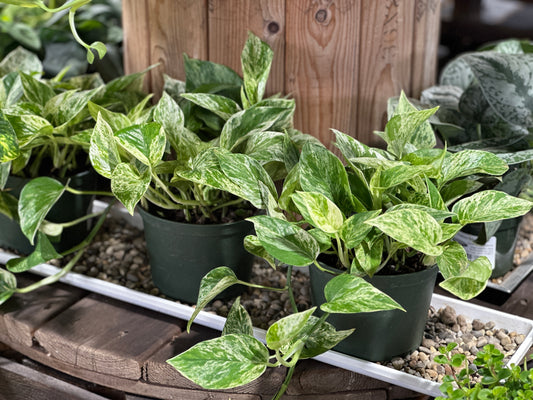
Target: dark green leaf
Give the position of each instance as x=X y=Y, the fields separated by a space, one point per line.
x=43 y=252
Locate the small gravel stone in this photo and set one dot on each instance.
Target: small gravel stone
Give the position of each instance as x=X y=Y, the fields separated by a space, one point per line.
x=477 y=325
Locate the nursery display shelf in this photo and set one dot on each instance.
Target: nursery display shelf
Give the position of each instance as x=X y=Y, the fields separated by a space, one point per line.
x=515 y=278
x=373 y=370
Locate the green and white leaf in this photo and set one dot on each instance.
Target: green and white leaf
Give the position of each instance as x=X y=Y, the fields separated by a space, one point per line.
x=284 y=331
x=145 y=142
x=222 y=106
x=285 y=241
x=224 y=362
x=354 y=230
x=212 y=284
x=8 y=285
x=103 y=150
x=413 y=227
x=488 y=206
x=253 y=246
x=319 y=211
x=323 y=338
x=471 y=281
x=346 y=294
x=43 y=252
x=128 y=185
x=9 y=146
x=469 y=162
x=238 y=321
x=453 y=260
x=36 y=199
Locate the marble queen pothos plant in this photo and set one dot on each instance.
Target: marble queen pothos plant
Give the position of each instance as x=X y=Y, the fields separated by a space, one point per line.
x=390 y=211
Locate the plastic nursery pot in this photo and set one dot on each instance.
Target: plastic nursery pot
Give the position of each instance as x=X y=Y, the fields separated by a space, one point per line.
x=68 y=208
x=506 y=239
x=382 y=335
x=181 y=254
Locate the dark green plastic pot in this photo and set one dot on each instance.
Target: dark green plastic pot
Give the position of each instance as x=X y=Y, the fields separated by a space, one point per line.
x=182 y=254
x=506 y=239
x=382 y=335
x=68 y=208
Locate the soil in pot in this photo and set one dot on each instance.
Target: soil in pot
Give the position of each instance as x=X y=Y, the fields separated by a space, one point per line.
x=181 y=254
x=68 y=208
x=383 y=335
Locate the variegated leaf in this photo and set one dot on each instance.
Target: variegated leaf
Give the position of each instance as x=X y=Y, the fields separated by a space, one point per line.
x=22 y=60
x=204 y=73
x=346 y=294
x=471 y=281
x=128 y=185
x=222 y=106
x=469 y=162
x=323 y=338
x=453 y=260
x=103 y=151
x=36 y=91
x=37 y=198
x=224 y=362
x=254 y=246
x=238 y=320
x=145 y=142
x=369 y=256
x=213 y=283
x=43 y=252
x=9 y=146
x=449 y=230
x=354 y=230
x=115 y=120
x=256 y=59
x=8 y=285
x=9 y=205
x=284 y=331
x=490 y=205
x=457 y=73
x=319 y=211
x=66 y=108
x=456 y=189
x=400 y=174
x=322 y=172
x=352 y=148
x=29 y=128
x=285 y=241
x=413 y=227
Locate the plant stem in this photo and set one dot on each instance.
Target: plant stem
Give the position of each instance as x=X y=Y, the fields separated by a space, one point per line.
x=323 y=269
x=253 y=285
x=52 y=278
x=81 y=219
x=285 y=383
x=227 y=204
x=175 y=199
x=88 y=192
x=289 y=289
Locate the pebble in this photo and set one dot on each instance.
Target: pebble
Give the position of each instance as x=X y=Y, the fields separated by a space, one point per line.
x=118 y=254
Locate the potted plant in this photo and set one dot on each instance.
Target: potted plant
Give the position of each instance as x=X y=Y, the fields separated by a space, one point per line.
x=391 y=211
x=191 y=227
x=473 y=114
x=496 y=381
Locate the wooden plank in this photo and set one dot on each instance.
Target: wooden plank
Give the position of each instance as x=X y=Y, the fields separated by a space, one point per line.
x=24 y=313
x=137 y=42
x=424 y=58
x=107 y=336
x=175 y=27
x=321 y=64
x=360 y=395
x=384 y=62
x=18 y=382
x=229 y=23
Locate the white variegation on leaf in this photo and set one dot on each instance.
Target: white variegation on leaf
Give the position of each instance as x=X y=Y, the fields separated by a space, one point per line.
x=284 y=332
x=222 y=106
x=471 y=281
x=238 y=320
x=128 y=185
x=145 y=142
x=103 y=150
x=319 y=210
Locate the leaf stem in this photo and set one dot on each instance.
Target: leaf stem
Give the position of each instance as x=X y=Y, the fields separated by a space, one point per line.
x=81 y=219
x=253 y=285
x=88 y=192
x=285 y=383
x=289 y=289
x=175 y=199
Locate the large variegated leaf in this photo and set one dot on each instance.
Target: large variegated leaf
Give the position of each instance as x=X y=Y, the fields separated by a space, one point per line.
x=354 y=230
x=238 y=320
x=5 y=168
x=29 y=128
x=224 y=362
x=115 y=120
x=283 y=332
x=285 y=241
x=222 y=106
x=507 y=83
x=322 y=172
x=247 y=174
x=9 y=146
x=346 y=294
x=517 y=157
x=471 y=281
x=323 y=338
x=36 y=199
x=8 y=285
x=437 y=214
x=456 y=189
x=256 y=59
x=43 y=252
x=36 y=91
x=413 y=227
x=400 y=174
x=469 y=162
x=213 y=283
x=200 y=73
x=66 y=108
x=22 y=60
x=320 y=211
x=457 y=73
x=128 y=185
x=103 y=151
x=145 y=142
x=253 y=246
x=453 y=260
x=255 y=119
x=490 y=205
x=369 y=256
x=352 y=148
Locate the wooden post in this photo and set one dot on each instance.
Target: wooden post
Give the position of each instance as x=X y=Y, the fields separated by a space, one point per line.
x=340 y=59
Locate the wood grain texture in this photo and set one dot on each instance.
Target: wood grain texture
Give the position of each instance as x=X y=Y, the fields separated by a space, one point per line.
x=321 y=64
x=384 y=62
x=107 y=336
x=23 y=314
x=176 y=27
x=229 y=23
x=18 y=382
x=136 y=38
x=426 y=33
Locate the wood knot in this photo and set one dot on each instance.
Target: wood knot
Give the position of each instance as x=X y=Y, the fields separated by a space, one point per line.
x=321 y=15
x=273 y=27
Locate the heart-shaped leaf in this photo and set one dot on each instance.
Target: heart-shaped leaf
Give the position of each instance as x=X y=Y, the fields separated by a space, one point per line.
x=318 y=210
x=238 y=320
x=128 y=185
x=8 y=285
x=145 y=142
x=43 y=252
x=471 y=281
x=103 y=151
x=284 y=331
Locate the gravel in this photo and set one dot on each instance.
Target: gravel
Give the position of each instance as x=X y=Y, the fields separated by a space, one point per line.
x=118 y=255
